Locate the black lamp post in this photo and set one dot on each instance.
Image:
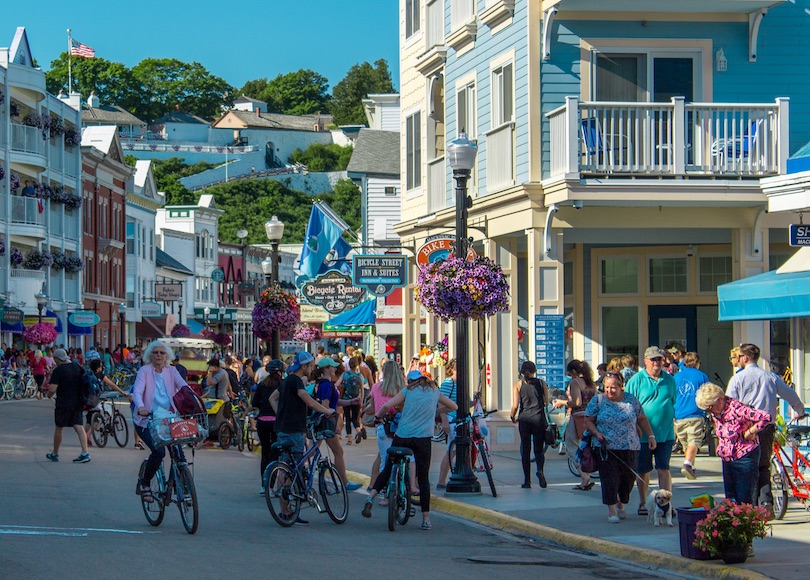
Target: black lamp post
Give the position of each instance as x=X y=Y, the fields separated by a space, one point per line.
x=180 y=310
x=207 y=312
x=221 y=318
x=461 y=154
x=122 y=312
x=42 y=300
x=274 y=229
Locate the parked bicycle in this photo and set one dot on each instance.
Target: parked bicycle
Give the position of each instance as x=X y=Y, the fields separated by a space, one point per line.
x=108 y=420
x=290 y=484
x=179 y=487
x=789 y=467
x=480 y=457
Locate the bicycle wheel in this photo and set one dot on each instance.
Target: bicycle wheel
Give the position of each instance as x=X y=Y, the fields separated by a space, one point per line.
x=30 y=388
x=224 y=435
x=187 y=499
x=333 y=492
x=98 y=427
x=18 y=389
x=404 y=508
x=280 y=495
x=779 y=488
x=451 y=456
x=483 y=453
x=155 y=509
x=120 y=429
x=249 y=434
x=572 y=466
x=239 y=435
x=394 y=497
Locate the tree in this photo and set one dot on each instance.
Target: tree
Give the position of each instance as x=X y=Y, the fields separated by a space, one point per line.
x=323 y=157
x=297 y=93
x=168 y=83
x=361 y=81
x=113 y=83
x=345 y=200
x=253 y=89
x=168 y=173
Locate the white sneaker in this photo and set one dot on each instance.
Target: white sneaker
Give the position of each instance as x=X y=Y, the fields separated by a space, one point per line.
x=613 y=519
x=262 y=490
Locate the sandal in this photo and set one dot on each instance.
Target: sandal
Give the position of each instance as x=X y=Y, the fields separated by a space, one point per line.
x=642 y=510
x=581 y=487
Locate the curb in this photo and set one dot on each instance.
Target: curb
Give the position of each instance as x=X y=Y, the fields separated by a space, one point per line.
x=647 y=558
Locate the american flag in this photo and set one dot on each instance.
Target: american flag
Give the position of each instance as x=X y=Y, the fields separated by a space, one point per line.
x=79 y=49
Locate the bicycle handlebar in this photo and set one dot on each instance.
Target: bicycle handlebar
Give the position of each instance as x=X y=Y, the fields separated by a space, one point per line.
x=469 y=418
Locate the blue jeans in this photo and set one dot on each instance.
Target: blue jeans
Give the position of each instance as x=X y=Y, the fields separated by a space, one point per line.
x=740 y=478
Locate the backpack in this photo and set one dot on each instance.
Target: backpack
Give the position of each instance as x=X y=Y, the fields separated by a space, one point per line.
x=91 y=388
x=232 y=378
x=187 y=402
x=353 y=385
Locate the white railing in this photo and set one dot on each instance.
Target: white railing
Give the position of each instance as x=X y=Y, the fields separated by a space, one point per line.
x=434 y=23
x=461 y=12
x=28 y=274
x=500 y=157
x=56 y=225
x=437 y=182
x=55 y=157
x=25 y=210
x=668 y=139
x=27 y=139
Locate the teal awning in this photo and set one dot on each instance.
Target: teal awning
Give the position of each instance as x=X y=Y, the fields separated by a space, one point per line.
x=364 y=314
x=768 y=296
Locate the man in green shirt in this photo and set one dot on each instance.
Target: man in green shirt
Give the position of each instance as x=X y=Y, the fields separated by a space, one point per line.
x=657 y=393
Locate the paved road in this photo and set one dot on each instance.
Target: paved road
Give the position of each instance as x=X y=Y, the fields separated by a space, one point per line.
x=66 y=520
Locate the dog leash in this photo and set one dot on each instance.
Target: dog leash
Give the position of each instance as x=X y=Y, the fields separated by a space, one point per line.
x=633 y=471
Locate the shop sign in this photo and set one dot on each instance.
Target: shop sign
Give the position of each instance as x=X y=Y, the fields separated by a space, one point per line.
x=333 y=292
x=799 y=235
x=168 y=292
x=342 y=334
x=218 y=275
x=380 y=274
x=83 y=318
x=12 y=315
x=246 y=288
x=311 y=313
x=549 y=349
x=151 y=310
x=437 y=248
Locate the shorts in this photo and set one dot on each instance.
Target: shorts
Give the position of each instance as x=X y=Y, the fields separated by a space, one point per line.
x=297 y=440
x=67 y=417
x=662 y=453
x=690 y=431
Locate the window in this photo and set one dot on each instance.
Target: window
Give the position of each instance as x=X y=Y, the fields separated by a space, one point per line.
x=151 y=244
x=461 y=12
x=502 y=99
x=647 y=76
x=465 y=111
x=668 y=275
x=413 y=153
x=132 y=241
x=714 y=270
x=143 y=242
x=619 y=276
x=619 y=331
x=88 y=213
x=411 y=17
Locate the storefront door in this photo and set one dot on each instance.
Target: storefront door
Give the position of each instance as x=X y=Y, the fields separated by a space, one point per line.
x=673 y=324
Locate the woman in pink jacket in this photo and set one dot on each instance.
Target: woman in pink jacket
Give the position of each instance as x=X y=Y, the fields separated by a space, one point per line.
x=155 y=386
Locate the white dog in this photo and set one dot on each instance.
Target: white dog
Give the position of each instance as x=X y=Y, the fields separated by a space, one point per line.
x=659 y=506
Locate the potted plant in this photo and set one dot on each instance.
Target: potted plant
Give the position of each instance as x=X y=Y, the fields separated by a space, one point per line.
x=16 y=256
x=40 y=333
x=308 y=334
x=456 y=288
x=729 y=529
x=275 y=309
x=37 y=260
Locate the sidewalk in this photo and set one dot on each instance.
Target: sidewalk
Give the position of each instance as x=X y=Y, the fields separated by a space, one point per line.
x=559 y=508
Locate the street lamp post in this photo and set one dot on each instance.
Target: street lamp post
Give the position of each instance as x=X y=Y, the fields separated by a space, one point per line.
x=180 y=310
x=207 y=312
x=42 y=299
x=274 y=229
x=221 y=318
x=461 y=153
x=122 y=312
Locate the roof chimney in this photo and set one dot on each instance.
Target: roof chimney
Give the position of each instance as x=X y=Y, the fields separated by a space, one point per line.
x=258 y=112
x=92 y=100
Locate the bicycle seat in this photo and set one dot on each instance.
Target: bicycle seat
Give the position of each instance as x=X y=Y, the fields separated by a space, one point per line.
x=399 y=452
x=279 y=446
x=794 y=430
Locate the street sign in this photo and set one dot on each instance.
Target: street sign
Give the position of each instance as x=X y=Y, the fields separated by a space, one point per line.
x=436 y=248
x=151 y=310
x=380 y=274
x=84 y=318
x=246 y=288
x=549 y=332
x=218 y=275
x=12 y=315
x=168 y=292
x=333 y=292
x=799 y=235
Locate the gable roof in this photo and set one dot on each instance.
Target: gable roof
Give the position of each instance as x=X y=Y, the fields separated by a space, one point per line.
x=276 y=120
x=180 y=117
x=20 y=51
x=164 y=260
x=375 y=152
x=108 y=115
x=105 y=139
x=246 y=99
x=145 y=179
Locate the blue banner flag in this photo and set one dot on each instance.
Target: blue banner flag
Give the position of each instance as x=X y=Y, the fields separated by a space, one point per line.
x=336 y=259
x=321 y=238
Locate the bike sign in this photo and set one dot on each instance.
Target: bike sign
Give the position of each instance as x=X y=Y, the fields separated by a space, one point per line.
x=332 y=291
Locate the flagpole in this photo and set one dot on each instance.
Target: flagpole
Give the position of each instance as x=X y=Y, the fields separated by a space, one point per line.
x=70 y=76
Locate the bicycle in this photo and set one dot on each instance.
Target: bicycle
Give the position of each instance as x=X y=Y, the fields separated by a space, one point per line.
x=250 y=437
x=784 y=484
x=289 y=483
x=105 y=422
x=179 y=487
x=400 y=508
x=230 y=431
x=28 y=384
x=480 y=458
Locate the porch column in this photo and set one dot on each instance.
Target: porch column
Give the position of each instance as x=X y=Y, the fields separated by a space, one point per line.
x=410 y=317
x=749 y=251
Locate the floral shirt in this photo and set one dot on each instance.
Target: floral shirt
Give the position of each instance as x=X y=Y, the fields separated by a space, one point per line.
x=731 y=426
x=616 y=421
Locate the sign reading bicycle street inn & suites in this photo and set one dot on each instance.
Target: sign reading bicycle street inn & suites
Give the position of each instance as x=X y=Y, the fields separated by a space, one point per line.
x=380 y=274
x=332 y=291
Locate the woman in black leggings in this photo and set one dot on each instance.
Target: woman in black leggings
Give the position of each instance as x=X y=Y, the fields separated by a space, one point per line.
x=531 y=394
x=266 y=419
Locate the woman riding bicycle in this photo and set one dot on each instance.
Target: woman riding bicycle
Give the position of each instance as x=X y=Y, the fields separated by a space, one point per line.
x=155 y=386
x=415 y=430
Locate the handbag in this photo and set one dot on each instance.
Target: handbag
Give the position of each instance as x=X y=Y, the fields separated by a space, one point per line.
x=552 y=432
x=587 y=462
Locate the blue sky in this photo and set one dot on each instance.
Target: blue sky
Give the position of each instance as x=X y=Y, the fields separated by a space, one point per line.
x=237 y=44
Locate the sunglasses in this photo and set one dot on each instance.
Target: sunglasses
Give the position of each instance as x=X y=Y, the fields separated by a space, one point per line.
x=159 y=352
x=614 y=375
x=657 y=359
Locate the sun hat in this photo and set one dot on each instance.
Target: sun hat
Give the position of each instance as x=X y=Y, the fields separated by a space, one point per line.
x=300 y=360
x=654 y=352
x=327 y=362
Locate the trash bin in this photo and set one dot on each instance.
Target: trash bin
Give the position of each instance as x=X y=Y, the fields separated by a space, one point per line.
x=687 y=523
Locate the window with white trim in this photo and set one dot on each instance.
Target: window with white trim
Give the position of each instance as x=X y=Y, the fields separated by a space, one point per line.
x=412 y=22
x=668 y=275
x=461 y=12
x=714 y=270
x=465 y=111
x=503 y=104
x=619 y=275
x=413 y=151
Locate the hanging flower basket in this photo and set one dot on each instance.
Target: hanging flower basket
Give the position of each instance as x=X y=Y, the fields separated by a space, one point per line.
x=222 y=339
x=275 y=310
x=15 y=182
x=74 y=265
x=72 y=138
x=456 y=288
x=2 y=245
x=16 y=256
x=308 y=334
x=37 y=260
x=181 y=331
x=41 y=333
x=72 y=201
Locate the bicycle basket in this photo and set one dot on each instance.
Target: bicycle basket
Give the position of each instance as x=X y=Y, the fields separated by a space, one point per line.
x=179 y=430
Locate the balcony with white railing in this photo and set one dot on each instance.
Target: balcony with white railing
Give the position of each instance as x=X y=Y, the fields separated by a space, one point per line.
x=436 y=182
x=27 y=139
x=26 y=283
x=25 y=210
x=667 y=140
x=55 y=158
x=501 y=157
x=72 y=167
x=72 y=225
